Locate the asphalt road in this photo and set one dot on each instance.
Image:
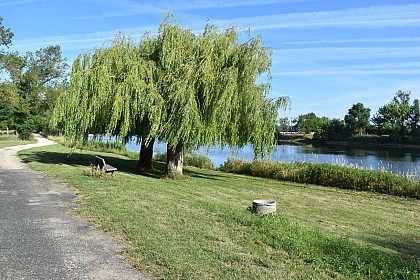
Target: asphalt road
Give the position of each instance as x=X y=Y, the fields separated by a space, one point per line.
x=38 y=240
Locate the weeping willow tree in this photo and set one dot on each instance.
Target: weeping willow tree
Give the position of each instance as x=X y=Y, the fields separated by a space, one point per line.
x=112 y=92
x=209 y=84
x=185 y=89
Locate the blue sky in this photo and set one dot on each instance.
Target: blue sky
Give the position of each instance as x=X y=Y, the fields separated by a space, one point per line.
x=327 y=54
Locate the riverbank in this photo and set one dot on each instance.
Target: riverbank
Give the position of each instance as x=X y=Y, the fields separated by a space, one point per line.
x=201 y=225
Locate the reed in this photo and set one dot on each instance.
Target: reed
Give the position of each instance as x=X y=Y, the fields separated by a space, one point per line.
x=344 y=177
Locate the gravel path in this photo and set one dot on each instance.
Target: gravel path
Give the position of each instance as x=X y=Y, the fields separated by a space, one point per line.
x=37 y=238
x=10 y=160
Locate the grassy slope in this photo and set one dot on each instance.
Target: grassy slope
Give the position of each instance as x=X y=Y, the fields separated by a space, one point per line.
x=200 y=227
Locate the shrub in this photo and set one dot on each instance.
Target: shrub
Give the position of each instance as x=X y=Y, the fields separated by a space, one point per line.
x=92 y=171
x=160 y=157
x=25 y=134
x=199 y=161
x=237 y=165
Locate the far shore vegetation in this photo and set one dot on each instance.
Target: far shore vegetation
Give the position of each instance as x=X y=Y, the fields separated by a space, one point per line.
x=396 y=124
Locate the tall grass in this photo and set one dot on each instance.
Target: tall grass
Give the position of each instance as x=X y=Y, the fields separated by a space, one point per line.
x=327 y=175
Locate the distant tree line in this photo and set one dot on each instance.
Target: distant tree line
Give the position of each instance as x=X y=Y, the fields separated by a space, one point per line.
x=29 y=86
x=398 y=119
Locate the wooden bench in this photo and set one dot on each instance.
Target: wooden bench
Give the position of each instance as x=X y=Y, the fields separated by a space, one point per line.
x=101 y=165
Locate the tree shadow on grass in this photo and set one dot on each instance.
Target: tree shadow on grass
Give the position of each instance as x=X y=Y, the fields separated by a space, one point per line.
x=122 y=164
x=87 y=158
x=372 y=260
x=406 y=246
x=205 y=175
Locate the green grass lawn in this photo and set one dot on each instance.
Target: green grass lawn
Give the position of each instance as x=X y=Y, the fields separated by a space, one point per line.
x=200 y=226
x=9 y=141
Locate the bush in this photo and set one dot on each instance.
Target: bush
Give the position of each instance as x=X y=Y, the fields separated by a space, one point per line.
x=236 y=165
x=199 y=161
x=26 y=128
x=25 y=134
x=92 y=171
x=327 y=175
x=160 y=157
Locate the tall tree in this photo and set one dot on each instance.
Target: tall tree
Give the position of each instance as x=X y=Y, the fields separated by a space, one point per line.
x=415 y=120
x=307 y=123
x=283 y=125
x=392 y=118
x=357 y=119
x=209 y=83
x=185 y=89
x=6 y=34
x=112 y=91
x=33 y=76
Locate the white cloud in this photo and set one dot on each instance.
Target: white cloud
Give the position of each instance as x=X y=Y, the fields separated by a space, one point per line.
x=349 y=72
x=128 y=8
x=76 y=41
x=344 y=53
x=408 y=68
x=358 y=40
x=381 y=16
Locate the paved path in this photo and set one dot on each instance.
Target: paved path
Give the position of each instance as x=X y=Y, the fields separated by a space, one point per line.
x=37 y=238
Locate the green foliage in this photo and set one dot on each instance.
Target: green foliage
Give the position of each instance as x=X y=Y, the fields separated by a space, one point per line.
x=397 y=120
x=310 y=123
x=393 y=118
x=26 y=129
x=415 y=120
x=306 y=123
x=6 y=35
x=199 y=161
x=236 y=165
x=283 y=125
x=357 y=119
x=4 y=115
x=30 y=92
x=332 y=130
x=327 y=175
x=25 y=134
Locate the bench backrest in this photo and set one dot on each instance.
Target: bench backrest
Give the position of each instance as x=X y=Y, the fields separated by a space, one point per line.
x=99 y=162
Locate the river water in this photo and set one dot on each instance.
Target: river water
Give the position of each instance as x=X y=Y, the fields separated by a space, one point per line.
x=400 y=161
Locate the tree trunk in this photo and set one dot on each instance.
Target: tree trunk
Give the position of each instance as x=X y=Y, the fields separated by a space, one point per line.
x=174 y=159
x=146 y=155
